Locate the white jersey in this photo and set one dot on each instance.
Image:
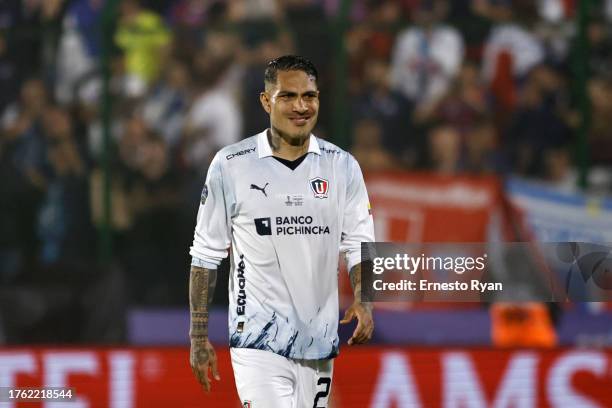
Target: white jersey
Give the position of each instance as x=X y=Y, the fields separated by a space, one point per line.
x=286 y=229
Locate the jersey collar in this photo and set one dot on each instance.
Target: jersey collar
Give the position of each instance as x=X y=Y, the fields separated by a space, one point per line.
x=264 y=149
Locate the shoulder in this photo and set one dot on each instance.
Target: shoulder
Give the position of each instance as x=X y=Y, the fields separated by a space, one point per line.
x=239 y=151
x=330 y=151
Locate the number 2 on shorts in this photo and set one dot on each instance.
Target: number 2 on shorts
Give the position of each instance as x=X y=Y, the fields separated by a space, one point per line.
x=322 y=394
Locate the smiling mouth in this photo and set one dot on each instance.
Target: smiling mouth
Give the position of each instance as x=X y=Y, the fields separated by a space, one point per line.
x=300 y=120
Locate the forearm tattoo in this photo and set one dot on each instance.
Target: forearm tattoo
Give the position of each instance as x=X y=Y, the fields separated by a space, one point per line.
x=201 y=288
x=355 y=276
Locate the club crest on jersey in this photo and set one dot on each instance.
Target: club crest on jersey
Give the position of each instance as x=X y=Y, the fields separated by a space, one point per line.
x=247 y=404
x=320 y=187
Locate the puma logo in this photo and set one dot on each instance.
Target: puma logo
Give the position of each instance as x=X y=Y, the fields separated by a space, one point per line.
x=262 y=189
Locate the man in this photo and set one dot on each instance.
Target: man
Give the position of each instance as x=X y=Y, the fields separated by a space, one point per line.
x=288 y=203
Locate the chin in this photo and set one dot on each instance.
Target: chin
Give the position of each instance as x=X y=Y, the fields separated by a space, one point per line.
x=296 y=134
x=300 y=134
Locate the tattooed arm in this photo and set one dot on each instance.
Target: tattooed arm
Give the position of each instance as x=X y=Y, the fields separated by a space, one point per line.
x=202 y=355
x=360 y=310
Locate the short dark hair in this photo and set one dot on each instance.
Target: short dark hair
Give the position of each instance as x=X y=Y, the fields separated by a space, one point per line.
x=289 y=63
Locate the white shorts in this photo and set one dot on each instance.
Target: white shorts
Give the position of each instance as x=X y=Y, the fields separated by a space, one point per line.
x=267 y=380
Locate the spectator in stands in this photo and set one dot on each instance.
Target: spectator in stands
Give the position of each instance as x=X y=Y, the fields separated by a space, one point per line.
x=22 y=158
x=444 y=143
x=64 y=225
x=510 y=52
x=465 y=102
x=600 y=46
x=153 y=196
x=143 y=37
x=21 y=125
x=427 y=56
x=132 y=139
x=472 y=19
x=214 y=119
x=165 y=105
x=146 y=217
x=600 y=137
x=390 y=109
x=481 y=154
x=537 y=125
x=368 y=149
x=79 y=47
x=372 y=38
x=555 y=28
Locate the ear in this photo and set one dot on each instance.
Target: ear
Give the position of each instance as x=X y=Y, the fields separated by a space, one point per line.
x=265 y=102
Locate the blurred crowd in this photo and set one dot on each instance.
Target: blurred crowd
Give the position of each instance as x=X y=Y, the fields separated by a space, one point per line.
x=453 y=87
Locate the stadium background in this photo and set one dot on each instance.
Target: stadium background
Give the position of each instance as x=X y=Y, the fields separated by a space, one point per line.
x=472 y=120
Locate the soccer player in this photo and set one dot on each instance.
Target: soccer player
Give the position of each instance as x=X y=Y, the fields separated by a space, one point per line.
x=287 y=203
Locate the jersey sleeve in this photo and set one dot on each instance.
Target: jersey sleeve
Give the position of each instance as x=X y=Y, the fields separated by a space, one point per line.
x=212 y=233
x=357 y=224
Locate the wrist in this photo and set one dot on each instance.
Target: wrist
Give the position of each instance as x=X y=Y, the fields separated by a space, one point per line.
x=198 y=329
x=366 y=305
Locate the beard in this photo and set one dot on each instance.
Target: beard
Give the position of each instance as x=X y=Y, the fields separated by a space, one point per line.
x=293 y=139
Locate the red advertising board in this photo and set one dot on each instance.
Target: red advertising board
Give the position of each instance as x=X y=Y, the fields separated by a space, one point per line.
x=422 y=207
x=363 y=377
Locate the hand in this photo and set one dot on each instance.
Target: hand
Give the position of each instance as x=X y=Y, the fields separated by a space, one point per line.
x=365 y=323
x=201 y=356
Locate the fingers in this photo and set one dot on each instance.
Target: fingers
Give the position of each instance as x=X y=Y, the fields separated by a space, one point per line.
x=365 y=325
x=357 y=333
x=205 y=380
x=213 y=366
x=361 y=336
x=201 y=374
x=201 y=359
x=363 y=331
x=348 y=316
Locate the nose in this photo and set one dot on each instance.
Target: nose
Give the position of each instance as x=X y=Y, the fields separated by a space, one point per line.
x=300 y=105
